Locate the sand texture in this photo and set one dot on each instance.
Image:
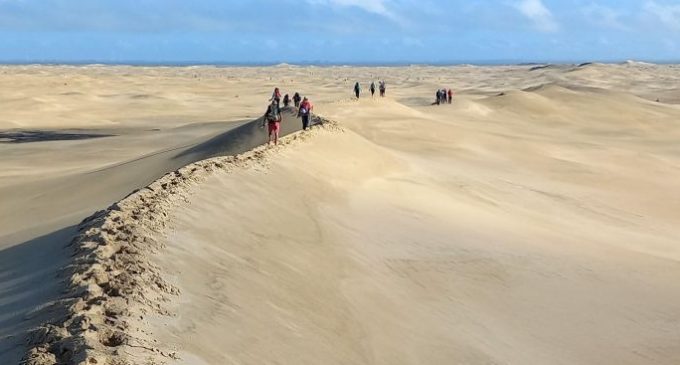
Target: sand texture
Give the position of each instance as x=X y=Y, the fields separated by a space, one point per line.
x=533 y=221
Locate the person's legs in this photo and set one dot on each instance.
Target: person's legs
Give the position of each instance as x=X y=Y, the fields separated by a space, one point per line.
x=305 y=122
x=272 y=129
x=276 y=127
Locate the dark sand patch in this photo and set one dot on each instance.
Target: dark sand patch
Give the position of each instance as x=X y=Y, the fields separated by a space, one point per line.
x=43 y=136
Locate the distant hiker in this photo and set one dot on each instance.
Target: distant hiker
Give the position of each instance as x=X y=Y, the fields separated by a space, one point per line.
x=273 y=119
x=382 y=88
x=276 y=95
x=372 y=88
x=286 y=101
x=305 y=112
x=450 y=95
x=296 y=99
x=438 y=97
x=442 y=96
x=357 y=89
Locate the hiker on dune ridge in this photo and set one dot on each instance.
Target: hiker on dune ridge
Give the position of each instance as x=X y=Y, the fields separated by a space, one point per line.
x=305 y=112
x=273 y=119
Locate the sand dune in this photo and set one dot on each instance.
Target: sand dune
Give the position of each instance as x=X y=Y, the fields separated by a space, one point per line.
x=534 y=221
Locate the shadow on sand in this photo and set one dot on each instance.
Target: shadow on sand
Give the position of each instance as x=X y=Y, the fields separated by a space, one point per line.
x=42 y=136
x=240 y=139
x=29 y=282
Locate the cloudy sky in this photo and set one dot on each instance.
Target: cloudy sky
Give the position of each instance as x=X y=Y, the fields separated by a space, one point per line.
x=339 y=31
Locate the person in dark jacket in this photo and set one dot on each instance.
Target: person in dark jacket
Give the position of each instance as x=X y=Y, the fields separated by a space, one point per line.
x=273 y=119
x=296 y=99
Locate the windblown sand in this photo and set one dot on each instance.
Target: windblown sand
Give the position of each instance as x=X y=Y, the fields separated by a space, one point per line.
x=534 y=221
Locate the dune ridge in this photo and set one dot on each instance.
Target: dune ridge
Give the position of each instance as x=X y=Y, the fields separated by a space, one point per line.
x=112 y=283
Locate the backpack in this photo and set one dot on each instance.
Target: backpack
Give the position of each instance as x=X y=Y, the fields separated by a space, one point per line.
x=273 y=114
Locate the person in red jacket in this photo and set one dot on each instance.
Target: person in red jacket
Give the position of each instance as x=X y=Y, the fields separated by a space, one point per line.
x=305 y=112
x=450 y=95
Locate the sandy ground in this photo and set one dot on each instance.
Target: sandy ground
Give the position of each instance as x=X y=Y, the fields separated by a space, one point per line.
x=533 y=221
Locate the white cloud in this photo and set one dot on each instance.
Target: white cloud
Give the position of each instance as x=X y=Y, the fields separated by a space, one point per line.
x=379 y=7
x=539 y=14
x=604 y=17
x=374 y=6
x=668 y=15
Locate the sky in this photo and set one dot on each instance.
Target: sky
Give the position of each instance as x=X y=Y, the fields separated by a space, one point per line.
x=339 y=31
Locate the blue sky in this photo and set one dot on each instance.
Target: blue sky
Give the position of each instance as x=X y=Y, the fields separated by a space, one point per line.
x=339 y=31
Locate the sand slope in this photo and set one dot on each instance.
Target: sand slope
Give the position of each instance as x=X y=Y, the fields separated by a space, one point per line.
x=534 y=221
x=427 y=238
x=33 y=261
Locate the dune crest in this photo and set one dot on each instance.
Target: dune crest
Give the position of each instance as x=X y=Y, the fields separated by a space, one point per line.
x=112 y=282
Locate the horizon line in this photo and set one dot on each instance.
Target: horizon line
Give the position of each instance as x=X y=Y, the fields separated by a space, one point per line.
x=500 y=62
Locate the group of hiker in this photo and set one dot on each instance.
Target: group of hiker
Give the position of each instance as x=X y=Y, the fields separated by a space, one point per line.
x=443 y=96
x=303 y=107
x=273 y=117
x=382 y=87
